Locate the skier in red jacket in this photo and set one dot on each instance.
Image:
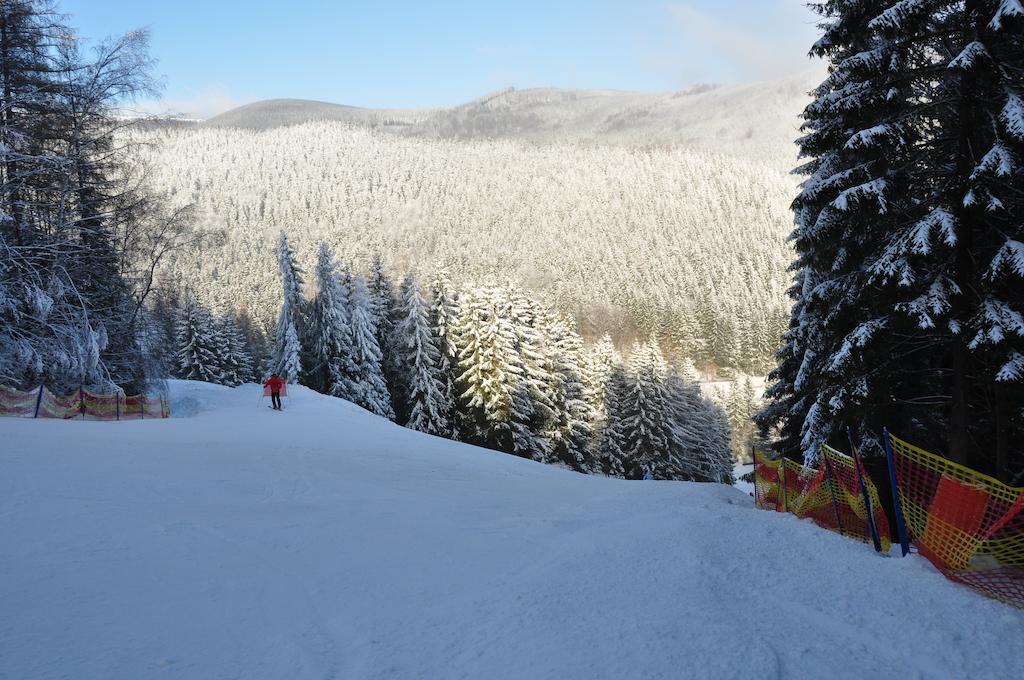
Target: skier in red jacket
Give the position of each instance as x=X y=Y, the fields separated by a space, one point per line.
x=275 y=384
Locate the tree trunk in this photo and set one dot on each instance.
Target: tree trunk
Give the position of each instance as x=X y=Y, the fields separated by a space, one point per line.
x=963 y=303
x=1002 y=423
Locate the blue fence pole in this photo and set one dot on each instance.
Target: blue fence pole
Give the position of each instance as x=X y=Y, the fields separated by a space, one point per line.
x=864 y=493
x=753 y=456
x=832 y=490
x=901 y=526
x=782 y=480
x=39 y=400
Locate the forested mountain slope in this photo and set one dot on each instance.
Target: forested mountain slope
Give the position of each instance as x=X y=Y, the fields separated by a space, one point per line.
x=635 y=212
x=632 y=240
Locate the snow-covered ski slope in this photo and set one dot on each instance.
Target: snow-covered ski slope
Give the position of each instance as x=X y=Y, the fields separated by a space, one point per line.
x=323 y=542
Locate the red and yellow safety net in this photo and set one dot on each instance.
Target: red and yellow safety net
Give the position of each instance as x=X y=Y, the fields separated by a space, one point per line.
x=829 y=494
x=42 y=403
x=969 y=525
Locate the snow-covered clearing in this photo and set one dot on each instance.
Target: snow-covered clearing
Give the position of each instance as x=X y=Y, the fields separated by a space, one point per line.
x=323 y=542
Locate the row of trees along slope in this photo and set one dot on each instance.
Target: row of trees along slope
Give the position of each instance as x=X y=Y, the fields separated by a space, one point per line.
x=80 y=234
x=909 y=292
x=483 y=364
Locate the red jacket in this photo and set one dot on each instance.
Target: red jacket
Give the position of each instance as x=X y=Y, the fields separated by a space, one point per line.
x=274 y=383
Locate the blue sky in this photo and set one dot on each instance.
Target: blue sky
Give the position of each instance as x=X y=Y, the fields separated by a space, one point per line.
x=216 y=54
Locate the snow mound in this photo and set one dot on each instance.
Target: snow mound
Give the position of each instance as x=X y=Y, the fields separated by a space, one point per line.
x=324 y=542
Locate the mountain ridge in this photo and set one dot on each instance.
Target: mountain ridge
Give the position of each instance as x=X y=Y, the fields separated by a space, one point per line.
x=719 y=117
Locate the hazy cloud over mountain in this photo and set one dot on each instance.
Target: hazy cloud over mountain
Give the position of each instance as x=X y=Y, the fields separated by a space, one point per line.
x=769 y=42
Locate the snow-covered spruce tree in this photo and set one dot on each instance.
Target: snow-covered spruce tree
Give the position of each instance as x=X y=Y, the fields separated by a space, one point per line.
x=198 y=344
x=235 y=359
x=422 y=383
x=909 y=305
x=741 y=404
x=602 y=357
x=645 y=417
x=611 y=441
x=571 y=431
x=70 y=208
x=959 y=260
x=366 y=386
x=102 y=198
x=700 y=441
x=287 y=358
x=489 y=374
x=532 y=417
x=828 y=373
x=382 y=296
x=330 y=368
x=443 y=316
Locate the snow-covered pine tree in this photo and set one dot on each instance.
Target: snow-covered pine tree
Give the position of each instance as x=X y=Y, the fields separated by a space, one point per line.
x=611 y=443
x=330 y=368
x=420 y=377
x=645 y=436
x=827 y=373
x=443 y=320
x=908 y=297
x=382 y=296
x=602 y=358
x=958 y=257
x=287 y=361
x=489 y=373
x=198 y=344
x=741 y=404
x=71 y=213
x=571 y=431
x=700 y=441
x=532 y=415
x=236 y=361
x=367 y=387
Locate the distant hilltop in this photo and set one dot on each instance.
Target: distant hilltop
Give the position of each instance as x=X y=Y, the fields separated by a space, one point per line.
x=706 y=116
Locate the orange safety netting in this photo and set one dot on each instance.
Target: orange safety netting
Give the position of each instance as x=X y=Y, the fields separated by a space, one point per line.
x=142 y=407
x=41 y=403
x=830 y=494
x=969 y=525
x=53 y=406
x=767 y=483
x=16 y=403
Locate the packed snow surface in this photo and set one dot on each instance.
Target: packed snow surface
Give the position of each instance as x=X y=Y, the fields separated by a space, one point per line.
x=323 y=542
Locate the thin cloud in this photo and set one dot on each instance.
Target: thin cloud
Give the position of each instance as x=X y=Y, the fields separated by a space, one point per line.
x=205 y=103
x=777 y=46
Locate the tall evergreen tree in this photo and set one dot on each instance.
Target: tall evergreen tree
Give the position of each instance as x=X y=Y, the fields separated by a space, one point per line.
x=571 y=431
x=603 y=357
x=490 y=373
x=908 y=298
x=330 y=368
x=367 y=387
x=532 y=416
x=645 y=415
x=612 y=444
x=443 y=321
x=384 y=305
x=699 y=434
x=235 y=359
x=287 y=358
x=71 y=212
x=423 y=388
x=198 y=344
